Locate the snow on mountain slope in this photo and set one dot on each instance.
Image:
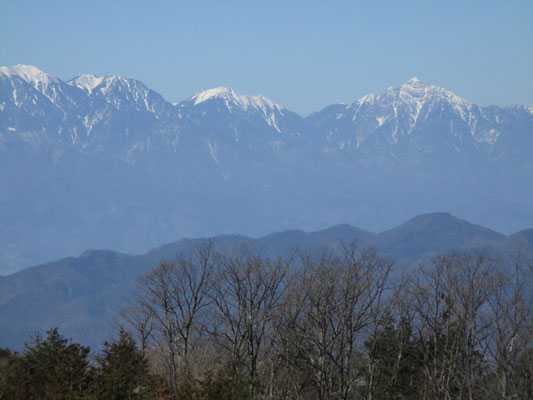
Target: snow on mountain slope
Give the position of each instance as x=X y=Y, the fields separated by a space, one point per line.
x=86 y=82
x=34 y=76
x=410 y=101
x=90 y=111
x=257 y=110
x=26 y=80
x=122 y=92
x=415 y=117
x=416 y=92
x=234 y=99
x=97 y=115
x=236 y=130
x=122 y=118
x=108 y=162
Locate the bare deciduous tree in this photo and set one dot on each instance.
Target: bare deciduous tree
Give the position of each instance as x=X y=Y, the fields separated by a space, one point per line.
x=247 y=294
x=173 y=297
x=511 y=321
x=333 y=325
x=450 y=300
x=335 y=302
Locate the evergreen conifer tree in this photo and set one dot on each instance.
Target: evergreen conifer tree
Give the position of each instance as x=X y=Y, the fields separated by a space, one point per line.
x=124 y=373
x=49 y=369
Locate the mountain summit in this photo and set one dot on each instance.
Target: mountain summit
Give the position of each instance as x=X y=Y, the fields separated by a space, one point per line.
x=418 y=118
x=419 y=91
x=234 y=99
x=33 y=75
x=86 y=82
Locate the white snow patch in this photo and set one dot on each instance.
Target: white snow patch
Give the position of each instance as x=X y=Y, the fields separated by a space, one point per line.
x=415 y=82
x=234 y=99
x=381 y=120
x=213 y=150
x=15 y=97
x=271 y=120
x=413 y=96
x=492 y=136
x=369 y=98
x=415 y=90
x=86 y=82
x=39 y=79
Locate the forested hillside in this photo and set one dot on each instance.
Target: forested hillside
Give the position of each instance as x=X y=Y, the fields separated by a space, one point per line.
x=311 y=325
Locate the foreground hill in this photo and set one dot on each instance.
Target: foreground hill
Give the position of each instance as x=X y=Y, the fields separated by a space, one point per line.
x=82 y=294
x=106 y=162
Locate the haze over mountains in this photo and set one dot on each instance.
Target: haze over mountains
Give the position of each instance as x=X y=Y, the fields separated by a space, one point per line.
x=105 y=162
x=82 y=295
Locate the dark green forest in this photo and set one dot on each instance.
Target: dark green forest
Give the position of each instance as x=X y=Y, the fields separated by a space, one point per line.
x=340 y=324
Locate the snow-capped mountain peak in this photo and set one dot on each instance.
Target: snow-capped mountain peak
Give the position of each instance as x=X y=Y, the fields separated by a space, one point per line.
x=414 y=82
x=395 y=114
x=90 y=82
x=86 y=82
x=30 y=74
x=220 y=92
x=110 y=81
x=103 y=84
x=120 y=91
x=234 y=99
x=414 y=92
x=423 y=90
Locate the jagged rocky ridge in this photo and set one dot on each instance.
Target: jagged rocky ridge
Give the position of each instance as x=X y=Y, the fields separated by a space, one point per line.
x=107 y=162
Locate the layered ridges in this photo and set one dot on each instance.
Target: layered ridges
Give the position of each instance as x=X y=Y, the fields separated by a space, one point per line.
x=107 y=162
x=80 y=293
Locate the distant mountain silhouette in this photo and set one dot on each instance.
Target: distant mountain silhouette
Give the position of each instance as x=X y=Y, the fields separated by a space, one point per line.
x=436 y=232
x=82 y=294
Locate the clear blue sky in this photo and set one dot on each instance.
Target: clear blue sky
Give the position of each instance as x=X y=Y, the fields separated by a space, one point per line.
x=301 y=54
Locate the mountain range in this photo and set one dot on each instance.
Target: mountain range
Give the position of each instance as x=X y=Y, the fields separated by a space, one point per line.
x=106 y=162
x=82 y=295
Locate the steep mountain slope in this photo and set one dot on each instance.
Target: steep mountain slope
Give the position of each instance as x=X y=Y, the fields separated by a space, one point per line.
x=106 y=162
x=418 y=119
x=82 y=295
